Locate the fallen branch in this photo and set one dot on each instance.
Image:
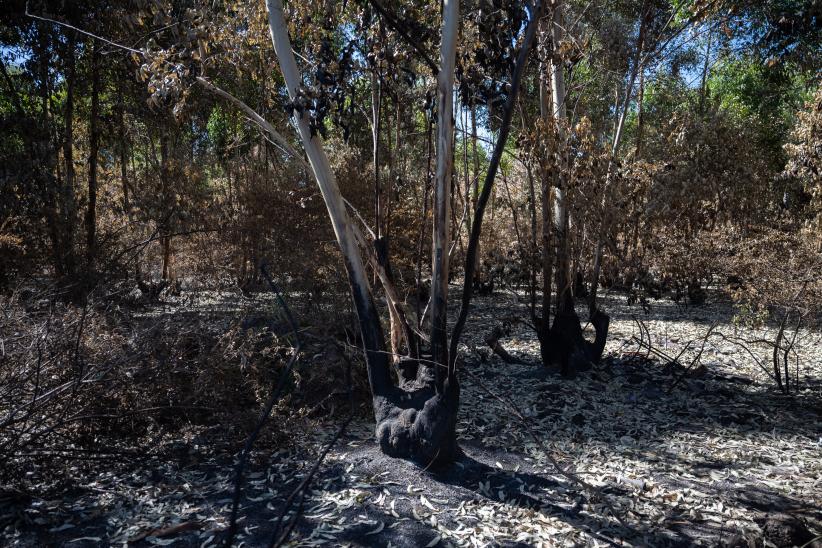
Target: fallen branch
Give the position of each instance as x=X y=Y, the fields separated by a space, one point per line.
x=492 y=340
x=280 y=536
x=695 y=360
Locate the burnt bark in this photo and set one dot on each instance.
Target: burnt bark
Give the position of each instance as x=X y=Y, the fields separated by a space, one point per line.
x=66 y=261
x=418 y=419
x=565 y=347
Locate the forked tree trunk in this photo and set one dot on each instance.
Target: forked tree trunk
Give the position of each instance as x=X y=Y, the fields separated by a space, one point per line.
x=564 y=345
x=416 y=422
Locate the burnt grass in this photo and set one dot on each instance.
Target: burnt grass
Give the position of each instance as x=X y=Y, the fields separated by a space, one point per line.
x=722 y=458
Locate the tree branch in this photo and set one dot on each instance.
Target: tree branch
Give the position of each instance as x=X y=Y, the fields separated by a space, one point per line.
x=482 y=202
x=276 y=136
x=397 y=27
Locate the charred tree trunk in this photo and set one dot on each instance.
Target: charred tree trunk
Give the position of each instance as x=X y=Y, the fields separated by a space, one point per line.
x=68 y=207
x=564 y=345
x=123 y=149
x=475 y=179
x=43 y=61
x=543 y=323
x=490 y=176
x=165 y=228
x=417 y=421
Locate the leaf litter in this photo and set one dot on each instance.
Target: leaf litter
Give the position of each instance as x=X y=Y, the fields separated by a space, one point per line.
x=706 y=464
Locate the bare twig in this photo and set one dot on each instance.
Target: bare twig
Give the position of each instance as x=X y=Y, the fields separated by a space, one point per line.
x=264 y=414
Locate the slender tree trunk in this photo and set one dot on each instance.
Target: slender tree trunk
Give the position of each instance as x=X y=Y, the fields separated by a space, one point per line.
x=703 y=88
x=530 y=252
x=423 y=223
x=466 y=175
x=399 y=323
x=547 y=252
x=369 y=320
x=442 y=189
x=475 y=182
x=546 y=195
x=623 y=113
x=94 y=140
x=68 y=206
x=166 y=241
x=533 y=244
x=564 y=301
x=640 y=117
x=165 y=230
x=393 y=150
x=123 y=148
x=43 y=57
x=490 y=175
x=376 y=107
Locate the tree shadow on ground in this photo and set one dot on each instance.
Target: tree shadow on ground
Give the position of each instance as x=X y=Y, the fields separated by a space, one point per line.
x=472 y=478
x=677 y=439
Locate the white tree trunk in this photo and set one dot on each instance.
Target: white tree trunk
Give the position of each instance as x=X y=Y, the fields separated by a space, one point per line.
x=560 y=204
x=369 y=320
x=442 y=183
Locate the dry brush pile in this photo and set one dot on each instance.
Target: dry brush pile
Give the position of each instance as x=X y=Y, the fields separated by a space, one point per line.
x=108 y=382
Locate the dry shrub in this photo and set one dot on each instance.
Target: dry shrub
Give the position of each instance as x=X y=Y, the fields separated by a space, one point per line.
x=95 y=381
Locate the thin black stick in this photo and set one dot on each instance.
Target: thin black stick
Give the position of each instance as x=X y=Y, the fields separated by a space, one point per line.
x=695 y=360
x=488 y=184
x=278 y=538
x=266 y=412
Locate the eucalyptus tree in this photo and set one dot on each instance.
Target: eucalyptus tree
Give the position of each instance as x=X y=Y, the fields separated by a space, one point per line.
x=594 y=54
x=417 y=417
